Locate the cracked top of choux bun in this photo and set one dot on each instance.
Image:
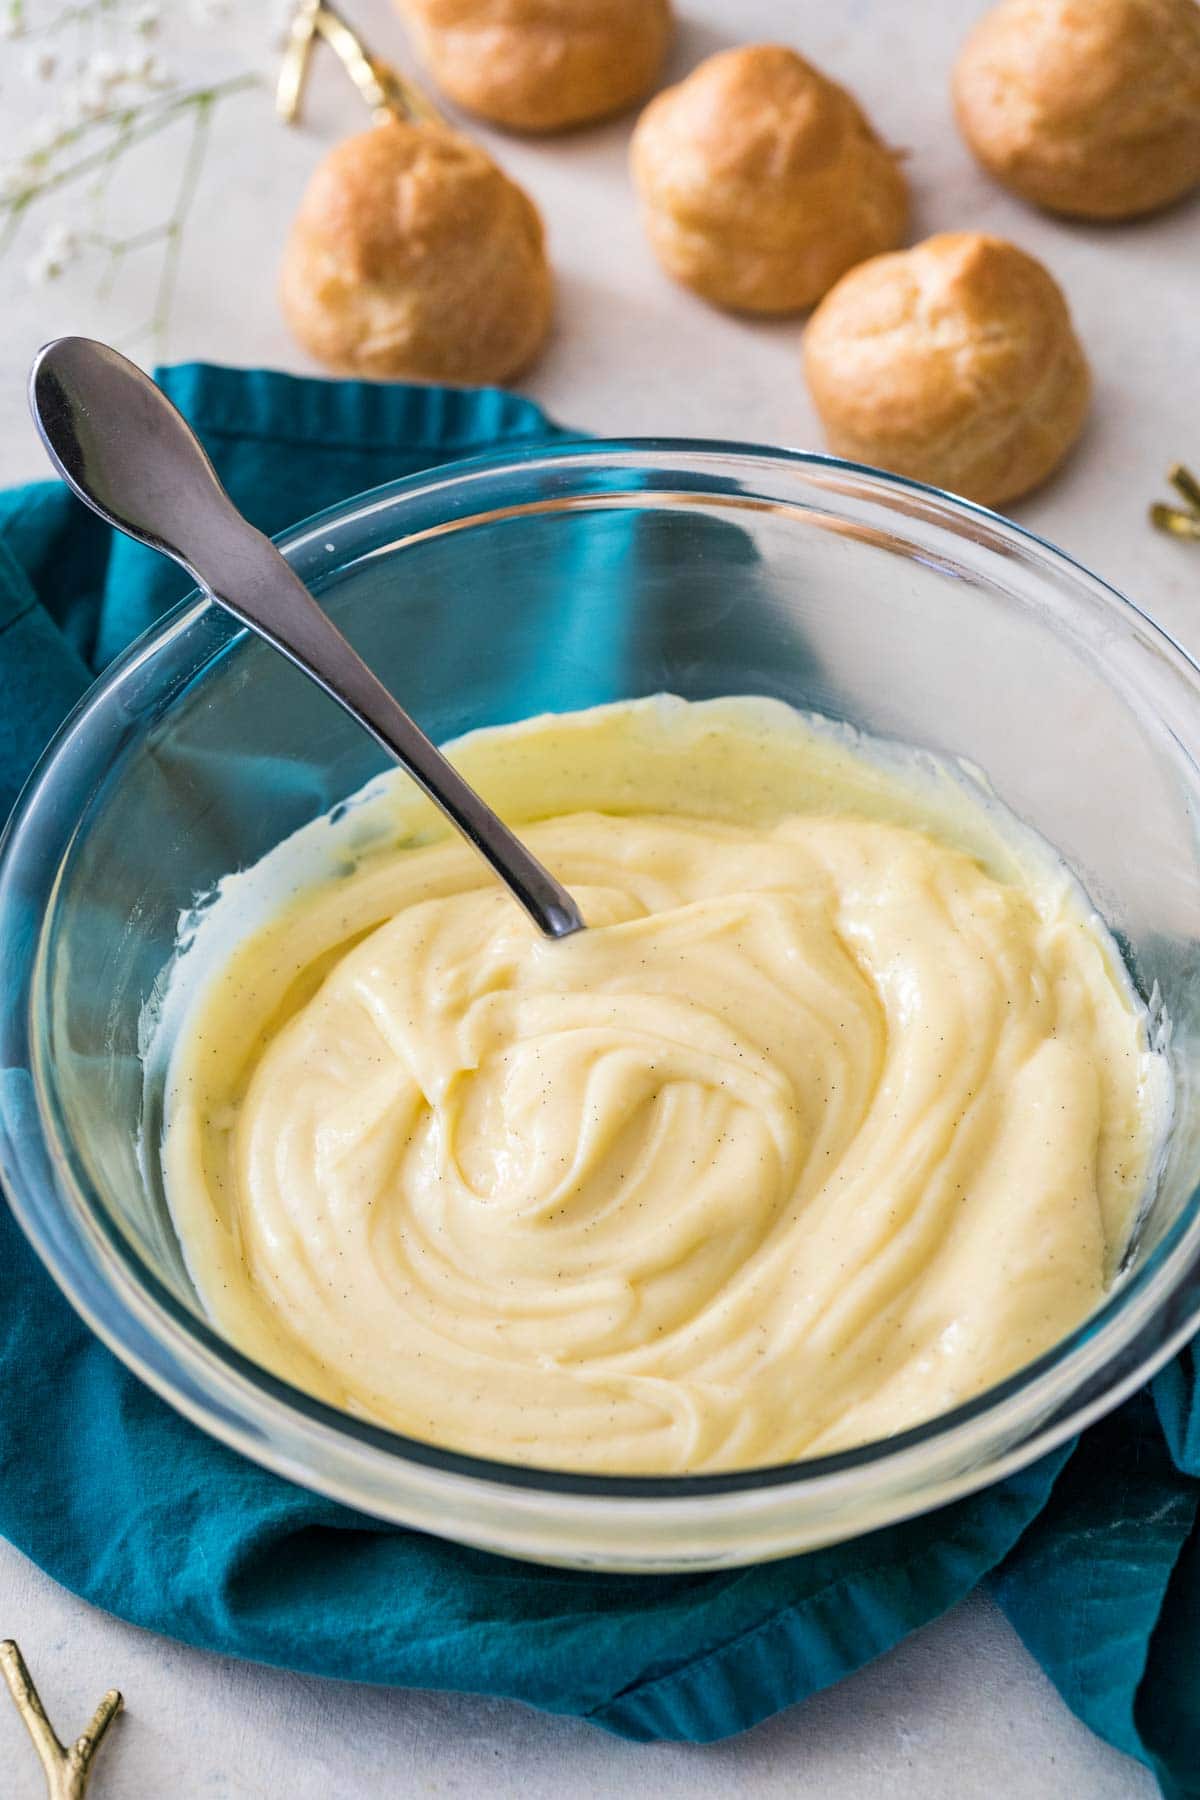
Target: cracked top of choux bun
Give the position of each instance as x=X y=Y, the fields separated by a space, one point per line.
x=762 y=181
x=1086 y=107
x=955 y=363
x=413 y=254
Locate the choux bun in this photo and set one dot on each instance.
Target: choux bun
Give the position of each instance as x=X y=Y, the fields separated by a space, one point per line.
x=541 y=65
x=412 y=254
x=1086 y=107
x=762 y=182
x=955 y=363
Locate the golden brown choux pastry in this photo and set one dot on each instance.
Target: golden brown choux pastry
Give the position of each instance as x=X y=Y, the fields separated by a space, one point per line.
x=1087 y=107
x=542 y=65
x=762 y=182
x=412 y=254
x=955 y=363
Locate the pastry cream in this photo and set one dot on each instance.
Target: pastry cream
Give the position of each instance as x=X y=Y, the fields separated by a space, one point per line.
x=839 y=1111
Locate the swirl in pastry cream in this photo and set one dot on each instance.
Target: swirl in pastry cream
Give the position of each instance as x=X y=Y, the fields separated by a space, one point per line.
x=838 y=1112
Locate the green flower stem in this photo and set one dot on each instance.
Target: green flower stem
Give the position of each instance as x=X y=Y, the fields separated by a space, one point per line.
x=135 y=128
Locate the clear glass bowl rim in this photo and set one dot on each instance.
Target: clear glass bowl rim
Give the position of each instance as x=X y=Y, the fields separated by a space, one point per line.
x=202 y=1375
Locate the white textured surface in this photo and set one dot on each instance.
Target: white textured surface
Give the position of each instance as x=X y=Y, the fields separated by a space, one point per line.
x=959 y=1711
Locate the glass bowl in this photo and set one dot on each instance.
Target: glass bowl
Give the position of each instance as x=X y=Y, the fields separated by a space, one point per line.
x=551 y=579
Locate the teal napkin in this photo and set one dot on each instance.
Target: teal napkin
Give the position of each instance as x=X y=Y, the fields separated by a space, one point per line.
x=1093 y=1553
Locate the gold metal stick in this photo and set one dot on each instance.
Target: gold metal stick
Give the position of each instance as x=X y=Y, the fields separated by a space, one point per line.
x=1176 y=522
x=293 y=70
x=1180 y=521
x=68 y=1771
x=1185 y=483
x=387 y=93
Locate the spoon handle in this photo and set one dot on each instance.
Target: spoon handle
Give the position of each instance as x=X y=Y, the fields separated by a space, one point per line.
x=266 y=594
x=132 y=457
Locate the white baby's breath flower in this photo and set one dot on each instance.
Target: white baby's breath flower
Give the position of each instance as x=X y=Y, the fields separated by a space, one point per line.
x=137 y=63
x=155 y=72
x=58 y=247
x=83 y=98
x=102 y=69
x=119 y=88
x=60 y=241
x=46 y=133
x=39 y=64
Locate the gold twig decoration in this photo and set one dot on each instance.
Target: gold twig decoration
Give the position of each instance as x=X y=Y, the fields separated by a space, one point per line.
x=386 y=92
x=1180 y=521
x=67 y=1770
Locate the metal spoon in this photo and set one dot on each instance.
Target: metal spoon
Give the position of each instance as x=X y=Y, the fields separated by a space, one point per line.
x=117 y=440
